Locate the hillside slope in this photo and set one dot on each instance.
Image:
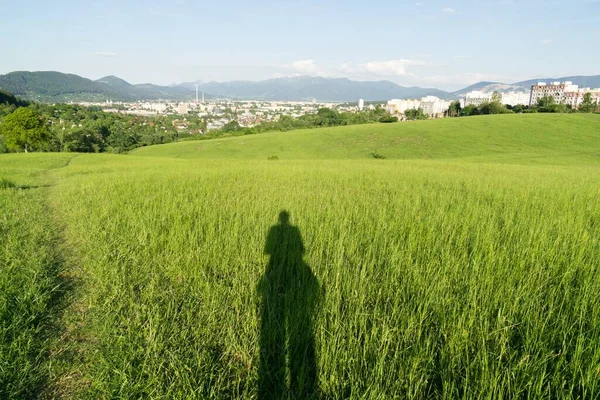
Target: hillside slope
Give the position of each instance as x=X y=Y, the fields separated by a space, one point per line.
x=55 y=86
x=50 y=86
x=509 y=138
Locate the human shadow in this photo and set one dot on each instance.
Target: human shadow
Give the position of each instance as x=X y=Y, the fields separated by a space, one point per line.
x=290 y=294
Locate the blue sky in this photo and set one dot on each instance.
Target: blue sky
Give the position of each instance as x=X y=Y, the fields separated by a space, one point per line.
x=435 y=43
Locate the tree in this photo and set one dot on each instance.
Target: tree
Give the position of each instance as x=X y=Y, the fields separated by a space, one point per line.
x=587 y=105
x=494 y=107
x=231 y=126
x=546 y=102
x=415 y=114
x=8 y=98
x=84 y=141
x=328 y=117
x=518 y=108
x=388 y=118
x=25 y=130
x=496 y=97
x=454 y=109
x=469 y=110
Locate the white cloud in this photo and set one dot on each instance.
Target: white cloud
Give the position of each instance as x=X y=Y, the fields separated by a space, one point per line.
x=306 y=67
x=391 y=67
x=106 y=54
x=461 y=57
x=418 y=4
x=346 y=68
x=449 y=10
x=546 y=41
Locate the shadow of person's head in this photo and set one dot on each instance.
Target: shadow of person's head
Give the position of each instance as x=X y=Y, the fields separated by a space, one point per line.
x=284 y=217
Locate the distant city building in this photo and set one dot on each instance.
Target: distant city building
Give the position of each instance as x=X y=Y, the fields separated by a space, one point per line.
x=399 y=106
x=575 y=98
x=361 y=104
x=562 y=92
x=556 y=90
x=430 y=105
x=434 y=106
x=515 y=98
x=182 y=108
x=476 y=98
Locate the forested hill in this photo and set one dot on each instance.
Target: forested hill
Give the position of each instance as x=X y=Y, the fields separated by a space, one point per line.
x=55 y=86
x=50 y=86
x=9 y=99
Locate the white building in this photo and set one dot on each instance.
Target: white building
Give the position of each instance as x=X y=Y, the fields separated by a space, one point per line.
x=434 y=106
x=430 y=105
x=361 y=104
x=575 y=98
x=158 y=107
x=515 y=98
x=182 y=108
x=553 y=89
x=562 y=92
x=476 y=98
x=399 y=106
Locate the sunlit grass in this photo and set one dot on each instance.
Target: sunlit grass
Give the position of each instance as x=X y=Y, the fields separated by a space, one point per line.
x=460 y=266
x=439 y=279
x=516 y=139
x=30 y=288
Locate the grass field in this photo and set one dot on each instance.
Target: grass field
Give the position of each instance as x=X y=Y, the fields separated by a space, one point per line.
x=523 y=138
x=464 y=265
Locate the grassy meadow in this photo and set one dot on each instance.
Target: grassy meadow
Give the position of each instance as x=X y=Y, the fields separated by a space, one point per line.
x=464 y=265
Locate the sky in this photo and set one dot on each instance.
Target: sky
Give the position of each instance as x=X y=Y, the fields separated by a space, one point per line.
x=447 y=44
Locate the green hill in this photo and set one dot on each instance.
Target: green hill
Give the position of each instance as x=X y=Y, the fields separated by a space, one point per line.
x=509 y=138
x=50 y=86
x=55 y=86
x=10 y=99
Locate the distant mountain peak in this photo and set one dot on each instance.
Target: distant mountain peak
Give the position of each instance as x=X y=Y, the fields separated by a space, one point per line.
x=114 y=81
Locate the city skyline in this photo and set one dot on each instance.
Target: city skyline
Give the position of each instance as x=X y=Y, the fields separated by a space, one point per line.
x=442 y=44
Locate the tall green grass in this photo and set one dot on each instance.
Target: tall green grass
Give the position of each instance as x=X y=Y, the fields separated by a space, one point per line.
x=516 y=139
x=30 y=286
x=464 y=265
x=437 y=279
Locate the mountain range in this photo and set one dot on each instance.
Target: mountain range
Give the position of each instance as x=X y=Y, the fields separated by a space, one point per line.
x=50 y=86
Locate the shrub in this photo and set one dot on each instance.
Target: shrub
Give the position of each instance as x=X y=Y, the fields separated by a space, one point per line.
x=388 y=119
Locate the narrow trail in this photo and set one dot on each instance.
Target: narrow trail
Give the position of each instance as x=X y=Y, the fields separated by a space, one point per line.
x=35 y=290
x=64 y=334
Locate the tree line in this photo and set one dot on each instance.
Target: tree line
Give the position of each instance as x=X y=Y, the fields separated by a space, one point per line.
x=545 y=104
x=325 y=117
x=60 y=127
x=28 y=127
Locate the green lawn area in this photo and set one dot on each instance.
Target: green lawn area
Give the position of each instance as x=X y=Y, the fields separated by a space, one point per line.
x=464 y=265
x=525 y=138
